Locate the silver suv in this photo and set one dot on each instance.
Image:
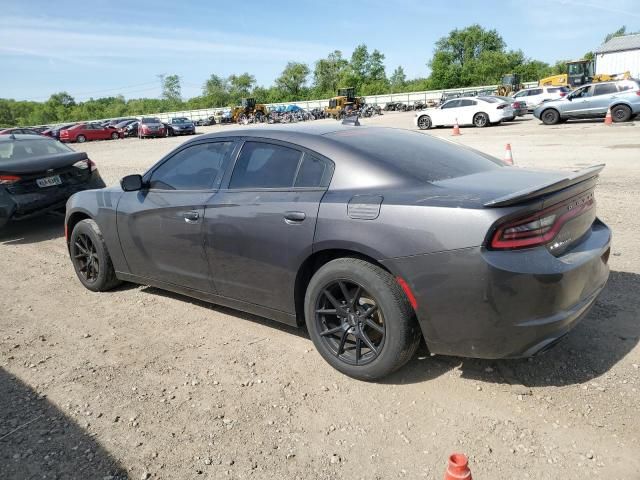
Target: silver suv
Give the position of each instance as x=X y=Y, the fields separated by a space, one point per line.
x=593 y=101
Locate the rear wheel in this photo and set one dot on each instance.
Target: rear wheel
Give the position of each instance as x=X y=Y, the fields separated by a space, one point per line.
x=90 y=257
x=550 y=117
x=481 y=119
x=115 y=136
x=424 y=122
x=360 y=319
x=81 y=139
x=621 y=113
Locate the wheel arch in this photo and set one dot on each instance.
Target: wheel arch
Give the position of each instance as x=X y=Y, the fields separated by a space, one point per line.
x=313 y=263
x=72 y=220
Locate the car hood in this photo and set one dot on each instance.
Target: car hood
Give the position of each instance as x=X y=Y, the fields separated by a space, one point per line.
x=40 y=164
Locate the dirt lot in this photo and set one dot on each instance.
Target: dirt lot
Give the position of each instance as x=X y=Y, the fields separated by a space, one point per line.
x=139 y=383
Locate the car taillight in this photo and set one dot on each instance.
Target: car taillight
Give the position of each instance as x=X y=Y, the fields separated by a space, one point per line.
x=638 y=92
x=85 y=164
x=539 y=228
x=6 y=179
x=562 y=94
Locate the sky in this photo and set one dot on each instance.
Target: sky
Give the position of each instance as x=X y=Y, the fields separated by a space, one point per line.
x=104 y=48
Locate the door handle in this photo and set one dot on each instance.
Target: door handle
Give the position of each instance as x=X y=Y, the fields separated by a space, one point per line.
x=294 y=217
x=191 y=216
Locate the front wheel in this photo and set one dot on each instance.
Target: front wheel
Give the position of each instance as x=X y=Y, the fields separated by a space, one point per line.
x=90 y=257
x=81 y=139
x=359 y=319
x=550 y=117
x=481 y=120
x=424 y=122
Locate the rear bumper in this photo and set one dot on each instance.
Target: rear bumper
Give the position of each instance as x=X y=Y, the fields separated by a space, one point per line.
x=505 y=304
x=29 y=205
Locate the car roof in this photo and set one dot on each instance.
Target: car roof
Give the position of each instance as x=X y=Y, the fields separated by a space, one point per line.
x=23 y=136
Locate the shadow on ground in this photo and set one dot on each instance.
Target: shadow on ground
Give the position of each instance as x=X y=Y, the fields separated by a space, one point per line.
x=38 y=441
x=34 y=230
x=608 y=333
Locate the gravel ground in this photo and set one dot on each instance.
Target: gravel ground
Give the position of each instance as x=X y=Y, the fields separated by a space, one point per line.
x=139 y=383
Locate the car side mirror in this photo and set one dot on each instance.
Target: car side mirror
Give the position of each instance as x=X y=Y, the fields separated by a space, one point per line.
x=131 y=183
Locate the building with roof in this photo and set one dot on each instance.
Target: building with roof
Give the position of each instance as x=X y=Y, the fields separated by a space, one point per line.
x=619 y=55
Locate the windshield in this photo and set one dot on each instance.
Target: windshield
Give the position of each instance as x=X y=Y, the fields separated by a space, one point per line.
x=180 y=120
x=420 y=156
x=23 y=149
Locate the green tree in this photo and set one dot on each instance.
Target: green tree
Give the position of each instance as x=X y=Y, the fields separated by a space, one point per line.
x=398 y=79
x=215 y=91
x=293 y=79
x=171 y=89
x=375 y=67
x=240 y=86
x=618 y=33
x=360 y=62
x=458 y=59
x=328 y=72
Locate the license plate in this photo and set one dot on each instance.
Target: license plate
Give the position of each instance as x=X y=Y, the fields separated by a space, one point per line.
x=49 y=181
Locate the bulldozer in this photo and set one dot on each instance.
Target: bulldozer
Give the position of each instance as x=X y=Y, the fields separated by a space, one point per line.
x=510 y=84
x=249 y=108
x=344 y=103
x=580 y=72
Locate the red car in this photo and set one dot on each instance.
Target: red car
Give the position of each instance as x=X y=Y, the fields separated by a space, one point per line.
x=151 y=127
x=22 y=131
x=88 y=131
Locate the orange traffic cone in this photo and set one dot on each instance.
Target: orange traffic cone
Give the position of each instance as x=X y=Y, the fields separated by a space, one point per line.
x=458 y=468
x=508 y=157
x=456 y=128
x=608 y=119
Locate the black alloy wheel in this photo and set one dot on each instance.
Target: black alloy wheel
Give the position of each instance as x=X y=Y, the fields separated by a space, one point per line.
x=350 y=323
x=86 y=257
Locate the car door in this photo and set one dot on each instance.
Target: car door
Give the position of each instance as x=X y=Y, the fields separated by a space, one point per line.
x=534 y=97
x=160 y=227
x=260 y=228
x=602 y=97
x=466 y=111
x=579 y=101
x=449 y=112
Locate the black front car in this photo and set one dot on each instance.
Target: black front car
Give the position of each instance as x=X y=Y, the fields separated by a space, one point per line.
x=38 y=175
x=180 y=126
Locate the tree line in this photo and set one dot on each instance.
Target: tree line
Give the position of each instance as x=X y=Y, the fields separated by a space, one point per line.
x=466 y=57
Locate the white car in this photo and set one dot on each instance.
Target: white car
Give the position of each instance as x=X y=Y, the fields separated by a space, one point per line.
x=478 y=111
x=536 y=95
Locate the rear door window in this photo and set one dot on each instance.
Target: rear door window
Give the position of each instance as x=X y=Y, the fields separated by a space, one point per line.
x=467 y=103
x=265 y=165
x=604 y=89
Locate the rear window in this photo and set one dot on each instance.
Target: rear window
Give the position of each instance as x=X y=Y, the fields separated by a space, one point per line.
x=150 y=120
x=23 y=149
x=490 y=99
x=418 y=155
x=558 y=90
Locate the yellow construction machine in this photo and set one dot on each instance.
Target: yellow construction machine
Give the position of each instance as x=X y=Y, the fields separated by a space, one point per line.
x=344 y=103
x=249 y=111
x=580 y=72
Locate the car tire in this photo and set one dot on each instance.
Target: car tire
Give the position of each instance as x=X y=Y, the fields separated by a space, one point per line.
x=621 y=113
x=81 y=139
x=550 y=116
x=424 y=122
x=391 y=329
x=90 y=257
x=481 y=120
x=115 y=136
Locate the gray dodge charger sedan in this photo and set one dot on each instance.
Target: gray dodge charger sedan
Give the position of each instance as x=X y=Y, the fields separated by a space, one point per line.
x=373 y=237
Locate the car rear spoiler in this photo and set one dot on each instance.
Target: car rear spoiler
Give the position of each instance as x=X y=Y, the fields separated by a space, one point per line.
x=572 y=178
